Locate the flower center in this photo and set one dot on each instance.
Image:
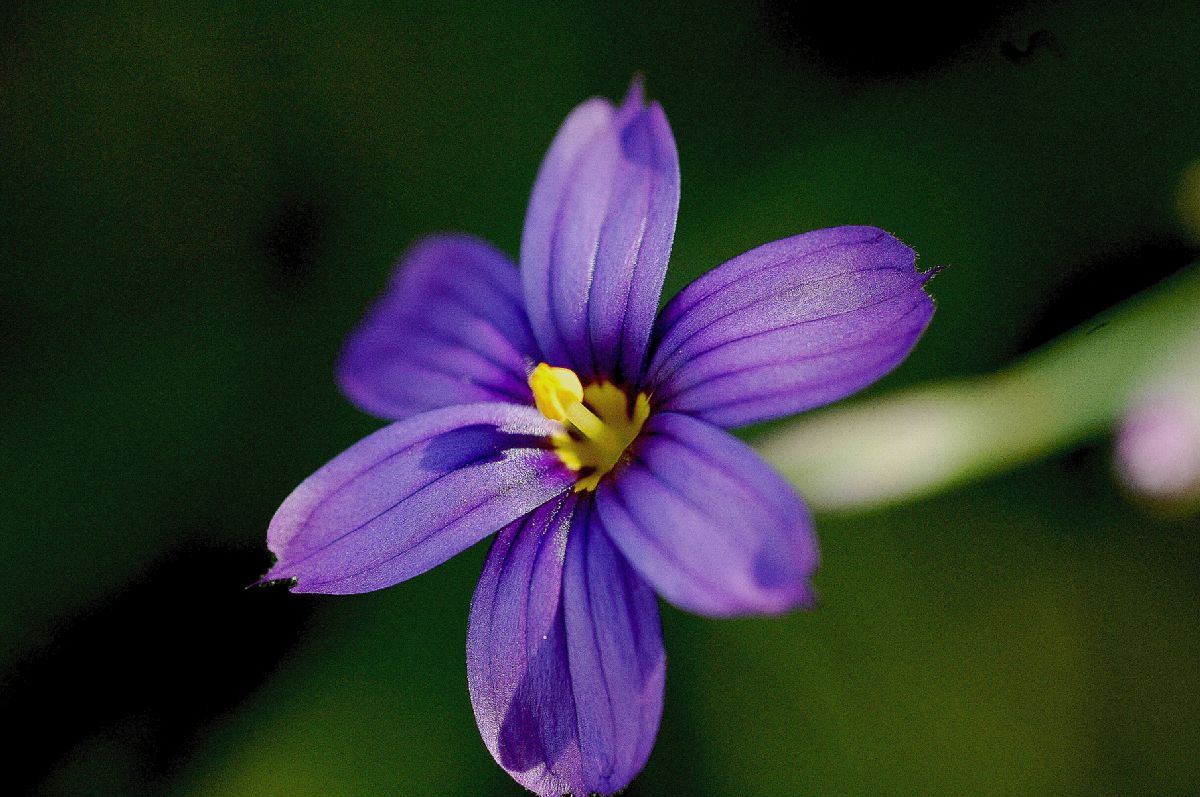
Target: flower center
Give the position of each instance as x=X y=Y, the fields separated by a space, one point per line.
x=600 y=422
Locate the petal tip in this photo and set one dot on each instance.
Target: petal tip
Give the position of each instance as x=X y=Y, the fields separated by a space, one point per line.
x=797 y=597
x=805 y=598
x=277 y=575
x=635 y=97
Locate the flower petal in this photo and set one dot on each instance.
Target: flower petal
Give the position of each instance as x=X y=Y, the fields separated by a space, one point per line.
x=598 y=236
x=564 y=655
x=710 y=525
x=412 y=495
x=450 y=329
x=790 y=326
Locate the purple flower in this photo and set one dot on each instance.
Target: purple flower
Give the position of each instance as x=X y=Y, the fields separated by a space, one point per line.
x=552 y=405
x=1158 y=440
x=1158 y=447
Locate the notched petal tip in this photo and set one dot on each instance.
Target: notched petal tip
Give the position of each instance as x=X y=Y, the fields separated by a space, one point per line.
x=811 y=600
x=279 y=573
x=929 y=273
x=412 y=495
x=598 y=235
x=790 y=326
x=635 y=97
x=270 y=579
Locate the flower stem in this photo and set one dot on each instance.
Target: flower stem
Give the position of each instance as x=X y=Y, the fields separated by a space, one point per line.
x=926 y=439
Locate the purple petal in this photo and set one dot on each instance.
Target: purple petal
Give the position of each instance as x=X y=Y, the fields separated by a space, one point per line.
x=450 y=329
x=707 y=522
x=1158 y=445
x=565 y=660
x=598 y=236
x=412 y=495
x=790 y=326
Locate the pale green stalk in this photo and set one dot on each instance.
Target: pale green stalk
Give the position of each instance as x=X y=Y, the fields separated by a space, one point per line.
x=926 y=439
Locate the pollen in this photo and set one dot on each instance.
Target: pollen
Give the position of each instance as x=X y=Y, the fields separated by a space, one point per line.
x=600 y=421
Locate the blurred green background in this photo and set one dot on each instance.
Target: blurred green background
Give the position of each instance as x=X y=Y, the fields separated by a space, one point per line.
x=198 y=199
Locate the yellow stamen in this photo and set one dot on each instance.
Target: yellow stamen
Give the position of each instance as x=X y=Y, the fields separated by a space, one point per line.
x=600 y=422
x=555 y=389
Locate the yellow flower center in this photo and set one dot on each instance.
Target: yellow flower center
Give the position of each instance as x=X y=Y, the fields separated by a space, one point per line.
x=600 y=422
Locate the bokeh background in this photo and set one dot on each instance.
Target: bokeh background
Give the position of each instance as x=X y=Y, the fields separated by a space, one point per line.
x=198 y=199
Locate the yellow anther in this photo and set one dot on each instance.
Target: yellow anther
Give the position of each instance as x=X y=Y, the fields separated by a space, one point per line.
x=554 y=390
x=600 y=422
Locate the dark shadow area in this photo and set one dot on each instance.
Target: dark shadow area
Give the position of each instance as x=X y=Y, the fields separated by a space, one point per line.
x=476 y=444
x=1107 y=282
x=1038 y=44
x=14 y=331
x=177 y=648
x=540 y=722
x=883 y=41
x=293 y=238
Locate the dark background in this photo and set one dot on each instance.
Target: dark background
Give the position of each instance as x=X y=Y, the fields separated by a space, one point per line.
x=197 y=200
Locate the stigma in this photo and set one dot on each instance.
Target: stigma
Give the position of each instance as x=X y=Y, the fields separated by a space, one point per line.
x=600 y=421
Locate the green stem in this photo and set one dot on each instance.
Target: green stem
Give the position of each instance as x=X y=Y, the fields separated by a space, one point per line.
x=922 y=440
